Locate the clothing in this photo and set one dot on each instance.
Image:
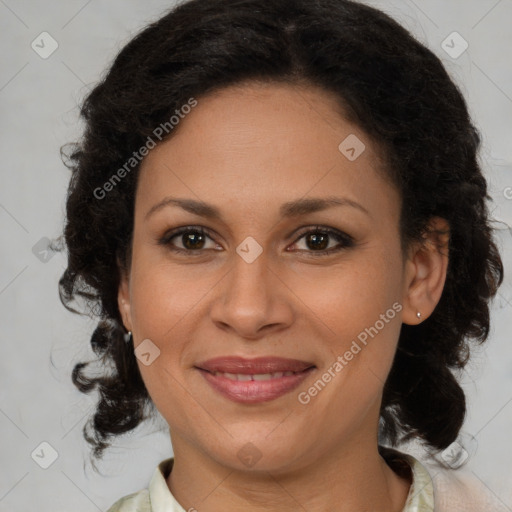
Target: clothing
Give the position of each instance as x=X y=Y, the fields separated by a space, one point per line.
x=436 y=490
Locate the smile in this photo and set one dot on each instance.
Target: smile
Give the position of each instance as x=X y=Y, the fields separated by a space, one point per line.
x=252 y=381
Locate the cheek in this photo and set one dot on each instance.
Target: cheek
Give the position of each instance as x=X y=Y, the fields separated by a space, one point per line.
x=166 y=300
x=357 y=309
x=158 y=305
x=362 y=313
x=346 y=298
x=159 y=309
x=162 y=295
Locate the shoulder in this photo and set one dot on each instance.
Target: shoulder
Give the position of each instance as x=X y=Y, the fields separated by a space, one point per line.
x=438 y=488
x=135 y=502
x=155 y=496
x=459 y=490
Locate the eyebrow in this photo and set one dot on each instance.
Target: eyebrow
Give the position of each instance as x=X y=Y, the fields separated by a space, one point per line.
x=287 y=210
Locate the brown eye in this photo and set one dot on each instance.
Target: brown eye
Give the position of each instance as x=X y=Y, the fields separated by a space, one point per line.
x=317 y=240
x=192 y=239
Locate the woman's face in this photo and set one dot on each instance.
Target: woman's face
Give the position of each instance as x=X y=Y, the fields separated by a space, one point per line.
x=256 y=284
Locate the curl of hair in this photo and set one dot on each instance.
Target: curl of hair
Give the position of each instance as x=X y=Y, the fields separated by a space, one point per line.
x=387 y=82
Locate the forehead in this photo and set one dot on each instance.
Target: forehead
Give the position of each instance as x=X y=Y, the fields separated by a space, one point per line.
x=265 y=144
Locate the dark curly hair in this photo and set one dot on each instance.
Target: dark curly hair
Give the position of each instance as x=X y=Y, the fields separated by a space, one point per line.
x=387 y=82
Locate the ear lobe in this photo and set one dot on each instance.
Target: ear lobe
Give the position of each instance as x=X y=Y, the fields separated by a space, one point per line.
x=427 y=266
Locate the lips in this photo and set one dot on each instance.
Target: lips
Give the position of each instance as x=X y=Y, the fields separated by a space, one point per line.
x=254 y=380
x=260 y=365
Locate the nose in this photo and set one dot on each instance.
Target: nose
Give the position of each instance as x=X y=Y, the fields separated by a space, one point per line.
x=253 y=300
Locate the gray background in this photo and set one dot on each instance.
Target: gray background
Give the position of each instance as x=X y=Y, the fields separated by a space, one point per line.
x=41 y=341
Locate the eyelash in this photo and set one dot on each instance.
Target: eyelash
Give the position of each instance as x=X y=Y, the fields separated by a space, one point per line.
x=339 y=236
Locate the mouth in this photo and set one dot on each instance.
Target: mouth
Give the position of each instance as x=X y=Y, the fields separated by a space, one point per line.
x=254 y=380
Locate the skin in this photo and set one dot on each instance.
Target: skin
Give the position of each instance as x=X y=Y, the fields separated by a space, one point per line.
x=246 y=150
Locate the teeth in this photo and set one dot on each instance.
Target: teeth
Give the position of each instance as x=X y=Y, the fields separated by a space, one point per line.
x=262 y=376
x=257 y=376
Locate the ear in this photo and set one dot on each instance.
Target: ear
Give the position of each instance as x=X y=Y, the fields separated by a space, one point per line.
x=425 y=272
x=123 y=298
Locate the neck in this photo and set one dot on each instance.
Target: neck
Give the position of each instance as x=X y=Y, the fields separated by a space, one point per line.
x=354 y=479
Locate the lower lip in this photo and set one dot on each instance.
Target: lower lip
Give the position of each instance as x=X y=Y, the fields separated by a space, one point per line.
x=254 y=391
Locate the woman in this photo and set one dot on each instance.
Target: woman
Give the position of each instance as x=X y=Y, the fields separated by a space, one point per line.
x=277 y=213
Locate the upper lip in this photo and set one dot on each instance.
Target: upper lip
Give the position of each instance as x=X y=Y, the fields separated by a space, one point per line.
x=240 y=365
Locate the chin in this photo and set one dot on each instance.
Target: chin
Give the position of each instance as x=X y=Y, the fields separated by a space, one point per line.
x=257 y=453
